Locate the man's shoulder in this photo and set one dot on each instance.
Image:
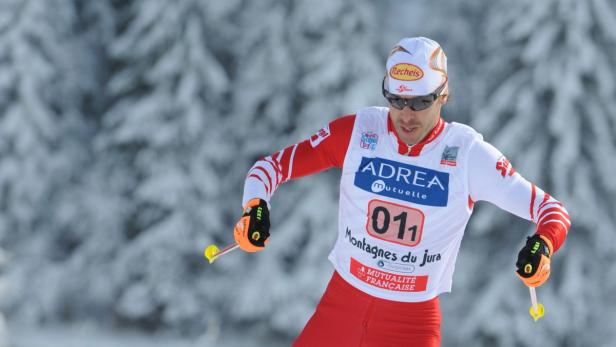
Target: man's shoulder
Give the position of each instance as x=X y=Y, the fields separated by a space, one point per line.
x=464 y=130
x=373 y=112
x=372 y=116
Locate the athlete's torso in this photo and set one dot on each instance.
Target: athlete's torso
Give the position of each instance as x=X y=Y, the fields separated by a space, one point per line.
x=401 y=217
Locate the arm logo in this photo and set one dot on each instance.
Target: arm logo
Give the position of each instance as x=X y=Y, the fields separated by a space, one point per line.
x=319 y=136
x=503 y=165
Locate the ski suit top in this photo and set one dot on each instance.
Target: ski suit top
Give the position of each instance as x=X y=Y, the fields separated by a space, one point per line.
x=403 y=209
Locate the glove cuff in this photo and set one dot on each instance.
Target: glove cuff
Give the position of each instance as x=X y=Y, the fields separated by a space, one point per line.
x=547 y=243
x=252 y=203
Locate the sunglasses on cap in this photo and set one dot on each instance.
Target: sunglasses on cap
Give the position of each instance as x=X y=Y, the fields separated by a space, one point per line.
x=417 y=103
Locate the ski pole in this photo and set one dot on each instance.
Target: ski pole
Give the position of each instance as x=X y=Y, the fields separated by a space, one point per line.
x=536 y=310
x=212 y=252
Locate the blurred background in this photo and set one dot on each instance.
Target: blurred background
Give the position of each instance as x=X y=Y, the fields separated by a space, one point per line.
x=127 y=128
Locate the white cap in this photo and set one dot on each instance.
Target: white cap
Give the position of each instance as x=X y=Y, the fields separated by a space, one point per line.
x=416 y=66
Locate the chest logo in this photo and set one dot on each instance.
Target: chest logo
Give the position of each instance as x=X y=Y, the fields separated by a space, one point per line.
x=403 y=181
x=369 y=140
x=450 y=155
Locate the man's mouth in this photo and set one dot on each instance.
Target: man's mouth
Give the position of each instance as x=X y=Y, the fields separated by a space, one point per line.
x=408 y=129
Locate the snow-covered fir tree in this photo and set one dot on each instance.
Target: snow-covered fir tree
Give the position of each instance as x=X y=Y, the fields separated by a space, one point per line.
x=300 y=64
x=163 y=146
x=547 y=101
x=45 y=82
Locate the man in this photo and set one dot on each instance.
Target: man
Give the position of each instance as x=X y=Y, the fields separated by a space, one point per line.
x=408 y=185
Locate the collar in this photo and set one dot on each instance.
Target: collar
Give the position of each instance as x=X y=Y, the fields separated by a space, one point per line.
x=415 y=150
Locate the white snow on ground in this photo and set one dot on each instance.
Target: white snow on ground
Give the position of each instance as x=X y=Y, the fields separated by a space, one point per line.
x=91 y=336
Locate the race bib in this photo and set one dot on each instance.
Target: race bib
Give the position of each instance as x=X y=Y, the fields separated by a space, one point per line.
x=395 y=223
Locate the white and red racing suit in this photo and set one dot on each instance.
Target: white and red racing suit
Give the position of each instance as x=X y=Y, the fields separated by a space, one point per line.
x=403 y=209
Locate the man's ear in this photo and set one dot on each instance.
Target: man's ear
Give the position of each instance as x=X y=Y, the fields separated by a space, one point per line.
x=443 y=99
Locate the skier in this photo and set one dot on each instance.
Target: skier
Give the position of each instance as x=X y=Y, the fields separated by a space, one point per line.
x=407 y=190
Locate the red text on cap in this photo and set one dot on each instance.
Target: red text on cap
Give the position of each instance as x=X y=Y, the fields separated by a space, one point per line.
x=406 y=72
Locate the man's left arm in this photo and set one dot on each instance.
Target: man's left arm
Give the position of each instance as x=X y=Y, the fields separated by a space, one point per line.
x=492 y=178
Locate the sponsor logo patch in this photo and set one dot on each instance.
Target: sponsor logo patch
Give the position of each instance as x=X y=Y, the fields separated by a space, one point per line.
x=319 y=136
x=450 y=154
x=397 y=267
x=503 y=165
x=387 y=280
x=403 y=181
x=406 y=72
x=369 y=140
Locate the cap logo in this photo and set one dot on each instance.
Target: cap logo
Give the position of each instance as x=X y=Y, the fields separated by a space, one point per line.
x=403 y=88
x=406 y=72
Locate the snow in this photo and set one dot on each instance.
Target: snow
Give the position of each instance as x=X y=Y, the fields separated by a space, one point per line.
x=88 y=335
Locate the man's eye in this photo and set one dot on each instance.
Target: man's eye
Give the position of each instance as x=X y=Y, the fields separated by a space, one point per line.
x=426 y=101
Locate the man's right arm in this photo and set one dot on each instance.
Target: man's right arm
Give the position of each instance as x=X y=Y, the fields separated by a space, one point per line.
x=323 y=150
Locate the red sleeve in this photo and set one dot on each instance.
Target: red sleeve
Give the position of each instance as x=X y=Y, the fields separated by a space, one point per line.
x=323 y=150
x=553 y=221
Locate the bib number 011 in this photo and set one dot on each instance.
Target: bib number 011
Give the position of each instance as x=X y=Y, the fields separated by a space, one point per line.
x=394 y=223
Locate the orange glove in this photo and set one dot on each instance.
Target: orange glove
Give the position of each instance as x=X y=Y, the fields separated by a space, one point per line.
x=251 y=232
x=533 y=265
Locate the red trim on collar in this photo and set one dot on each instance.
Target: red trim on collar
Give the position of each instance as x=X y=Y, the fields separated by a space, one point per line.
x=415 y=150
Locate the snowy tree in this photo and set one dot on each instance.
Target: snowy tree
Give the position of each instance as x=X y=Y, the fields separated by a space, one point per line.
x=43 y=88
x=547 y=102
x=300 y=64
x=459 y=28
x=4 y=334
x=162 y=145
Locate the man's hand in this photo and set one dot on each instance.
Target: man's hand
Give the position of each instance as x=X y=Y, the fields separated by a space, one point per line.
x=251 y=232
x=533 y=265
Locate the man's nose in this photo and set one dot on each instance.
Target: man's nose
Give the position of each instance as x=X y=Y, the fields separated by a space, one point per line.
x=407 y=113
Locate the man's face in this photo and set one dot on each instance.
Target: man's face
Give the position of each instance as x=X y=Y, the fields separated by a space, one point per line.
x=412 y=126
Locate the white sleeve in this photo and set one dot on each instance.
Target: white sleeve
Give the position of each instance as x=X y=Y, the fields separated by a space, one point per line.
x=254 y=188
x=492 y=178
x=263 y=178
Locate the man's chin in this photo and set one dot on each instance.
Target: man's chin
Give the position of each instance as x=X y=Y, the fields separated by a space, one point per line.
x=410 y=140
x=409 y=137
